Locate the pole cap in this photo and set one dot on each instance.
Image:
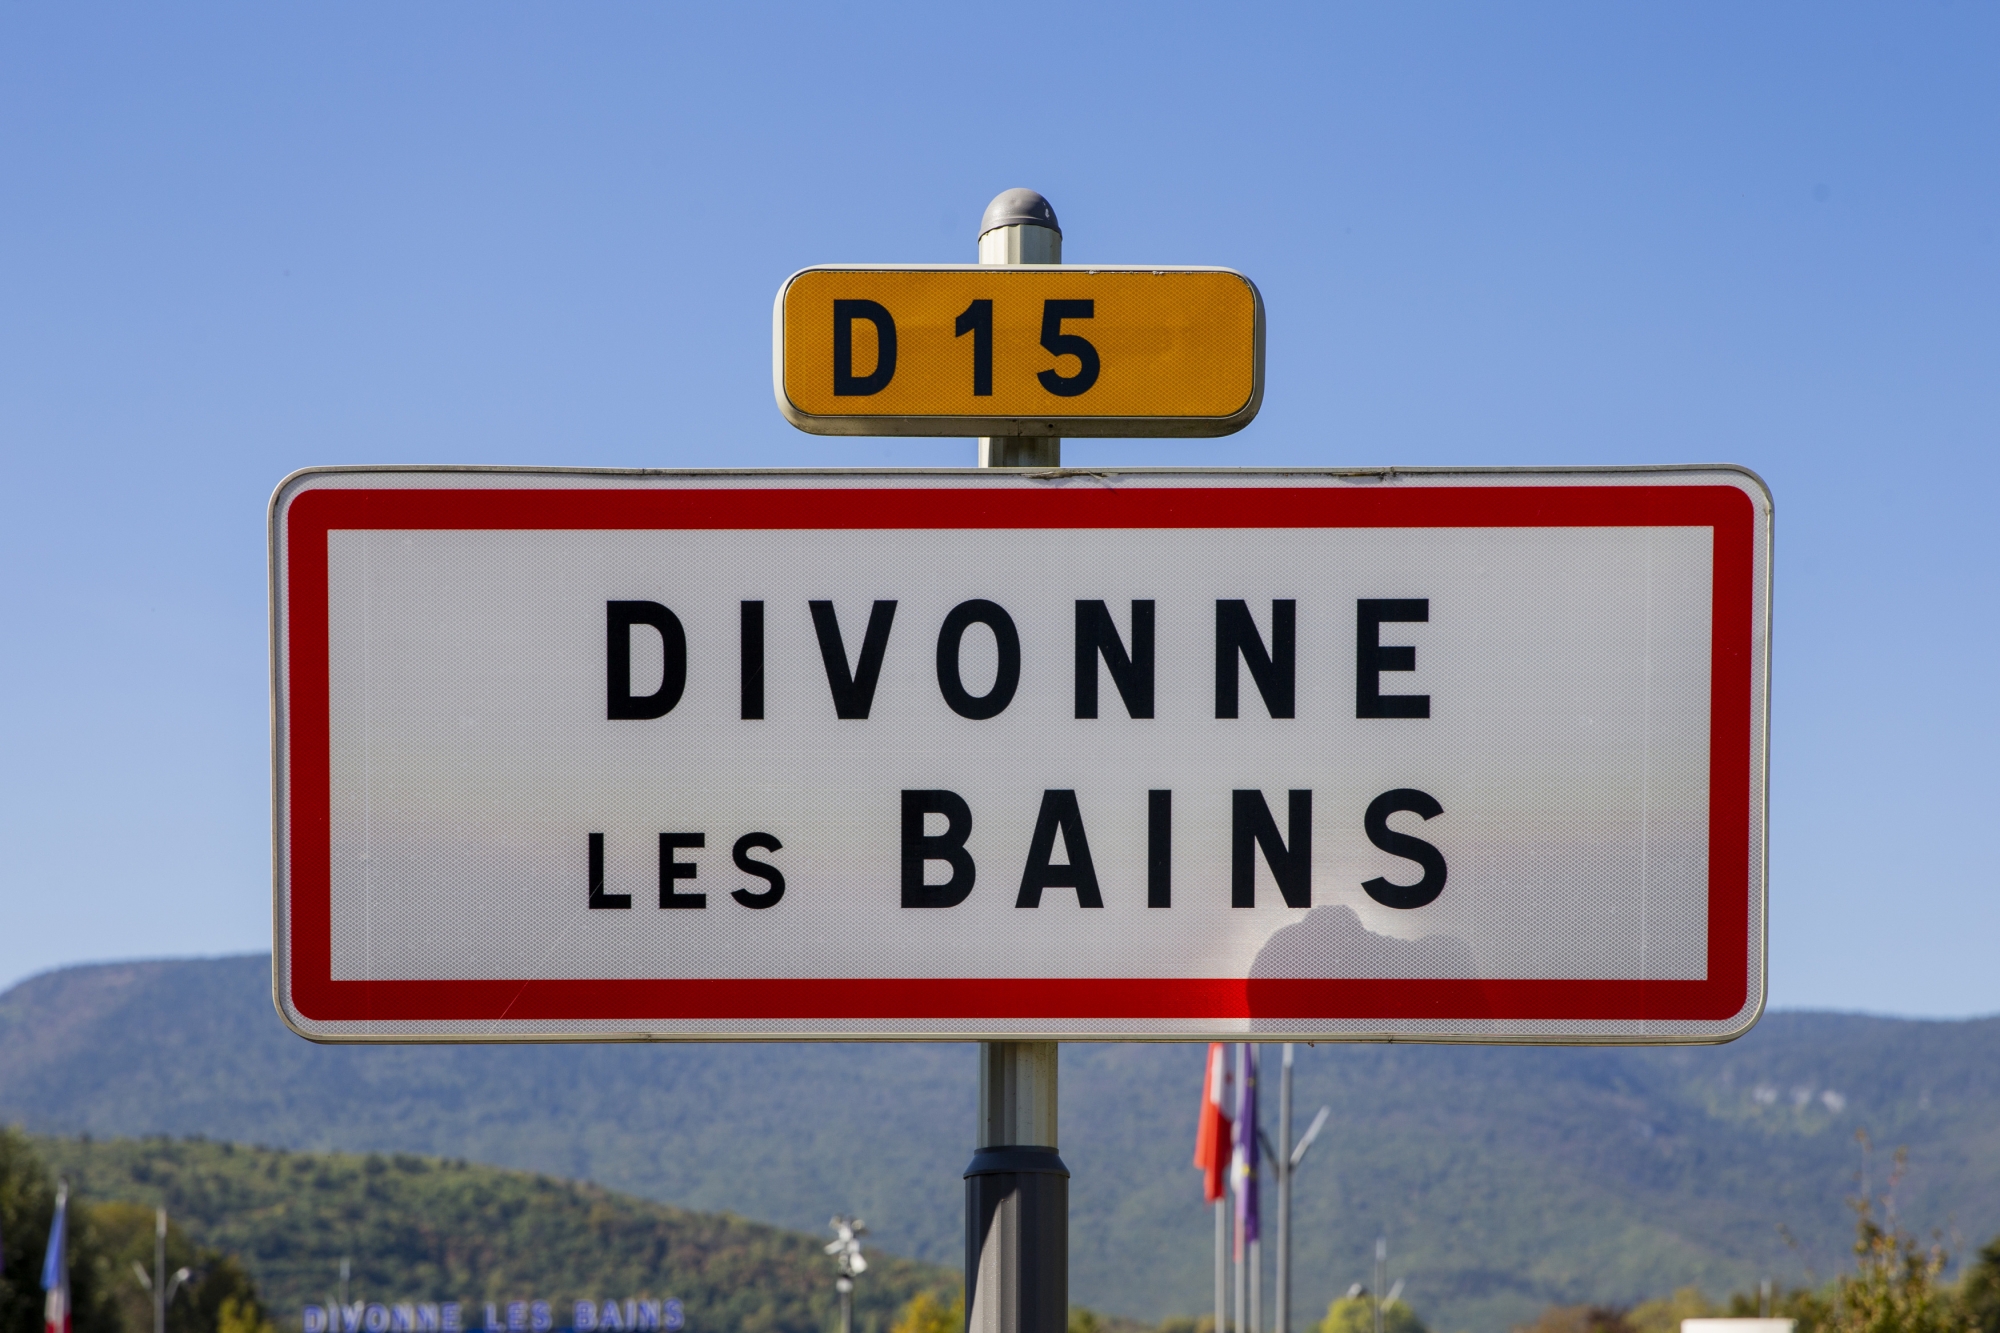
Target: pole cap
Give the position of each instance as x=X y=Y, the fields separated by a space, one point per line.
x=1019 y=208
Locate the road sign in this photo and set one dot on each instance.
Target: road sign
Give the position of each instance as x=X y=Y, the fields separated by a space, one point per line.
x=1158 y=754
x=972 y=349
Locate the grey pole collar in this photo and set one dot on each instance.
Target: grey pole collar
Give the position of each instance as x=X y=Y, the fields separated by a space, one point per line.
x=1019 y=208
x=1013 y=1160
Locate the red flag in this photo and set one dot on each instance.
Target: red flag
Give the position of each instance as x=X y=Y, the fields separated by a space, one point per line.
x=1211 y=1139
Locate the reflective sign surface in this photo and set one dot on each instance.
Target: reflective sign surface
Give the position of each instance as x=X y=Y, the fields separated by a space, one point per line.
x=1455 y=756
x=982 y=350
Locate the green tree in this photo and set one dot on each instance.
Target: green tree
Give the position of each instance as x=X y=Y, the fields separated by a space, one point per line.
x=239 y=1315
x=1894 y=1287
x=421 y=1228
x=1664 y=1316
x=223 y=1286
x=1980 y=1296
x=125 y=1236
x=1184 y=1323
x=1581 y=1319
x=27 y=1209
x=1356 y=1314
x=925 y=1313
x=1807 y=1308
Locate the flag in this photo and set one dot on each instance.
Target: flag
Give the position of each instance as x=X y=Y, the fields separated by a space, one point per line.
x=1211 y=1136
x=55 y=1268
x=1243 y=1161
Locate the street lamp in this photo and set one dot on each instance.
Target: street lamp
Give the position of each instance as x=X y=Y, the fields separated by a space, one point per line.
x=846 y=1252
x=1381 y=1264
x=157 y=1282
x=1284 y=1164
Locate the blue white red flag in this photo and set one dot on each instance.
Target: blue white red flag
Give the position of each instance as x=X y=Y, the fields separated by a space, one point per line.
x=1244 y=1161
x=55 y=1268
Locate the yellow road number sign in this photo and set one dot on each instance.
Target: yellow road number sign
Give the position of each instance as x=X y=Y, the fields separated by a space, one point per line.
x=968 y=349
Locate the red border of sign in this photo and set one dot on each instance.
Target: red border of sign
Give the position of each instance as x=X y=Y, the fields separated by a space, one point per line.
x=1726 y=510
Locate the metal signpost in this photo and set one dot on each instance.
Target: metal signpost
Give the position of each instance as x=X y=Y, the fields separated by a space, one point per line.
x=1019 y=755
x=1286 y=1158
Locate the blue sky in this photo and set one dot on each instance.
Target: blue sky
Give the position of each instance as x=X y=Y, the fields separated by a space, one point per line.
x=239 y=240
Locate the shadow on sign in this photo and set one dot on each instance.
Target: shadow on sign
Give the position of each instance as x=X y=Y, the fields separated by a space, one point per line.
x=1332 y=942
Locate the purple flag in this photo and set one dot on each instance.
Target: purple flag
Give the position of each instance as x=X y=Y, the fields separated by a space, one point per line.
x=1244 y=1161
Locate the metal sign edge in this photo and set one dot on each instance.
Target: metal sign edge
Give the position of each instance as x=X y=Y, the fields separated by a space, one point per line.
x=291 y=484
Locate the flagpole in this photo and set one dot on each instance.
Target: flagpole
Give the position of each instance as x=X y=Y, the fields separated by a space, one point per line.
x=1222 y=1263
x=1282 y=1167
x=1241 y=1294
x=1241 y=1183
x=1255 y=1210
x=1213 y=1157
x=1256 y=1285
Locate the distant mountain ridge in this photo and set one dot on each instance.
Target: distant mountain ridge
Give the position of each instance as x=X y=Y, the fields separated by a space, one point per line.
x=1504 y=1178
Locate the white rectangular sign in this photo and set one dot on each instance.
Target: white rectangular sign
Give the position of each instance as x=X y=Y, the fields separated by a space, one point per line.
x=1159 y=754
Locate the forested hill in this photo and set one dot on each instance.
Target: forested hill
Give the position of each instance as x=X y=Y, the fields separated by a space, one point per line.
x=422 y=1230
x=1504 y=1179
